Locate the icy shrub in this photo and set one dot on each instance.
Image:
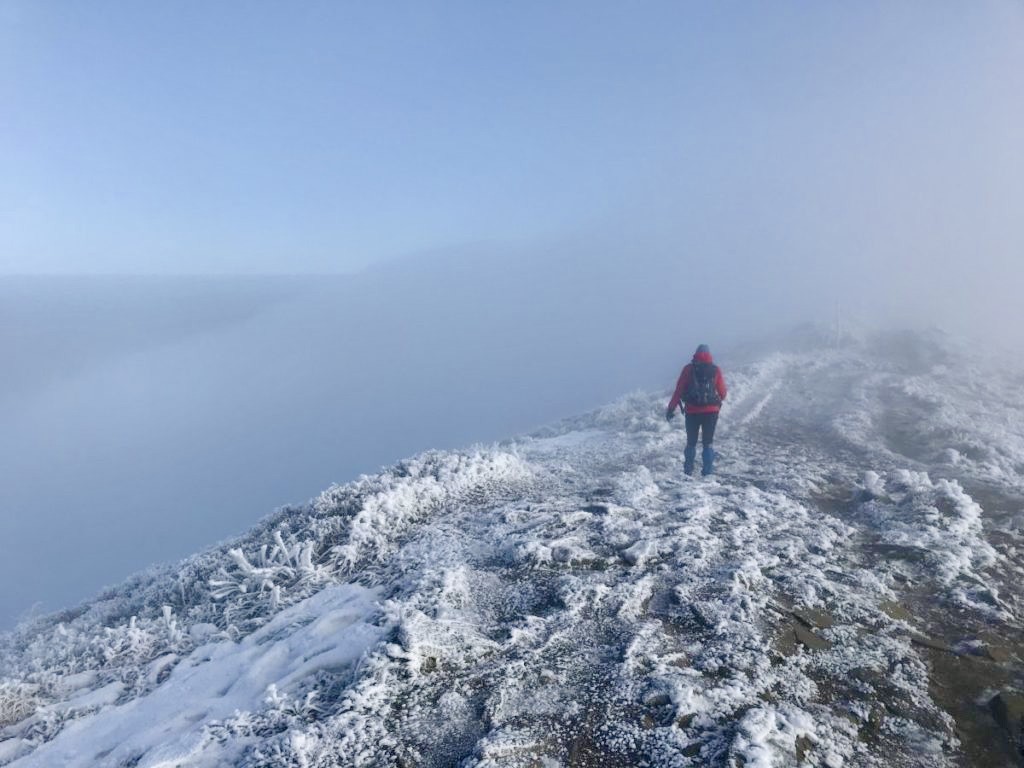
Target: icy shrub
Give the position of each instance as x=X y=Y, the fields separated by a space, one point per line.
x=410 y=494
x=17 y=701
x=271 y=568
x=134 y=643
x=350 y=526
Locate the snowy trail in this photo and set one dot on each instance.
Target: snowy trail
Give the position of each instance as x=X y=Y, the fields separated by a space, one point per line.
x=571 y=599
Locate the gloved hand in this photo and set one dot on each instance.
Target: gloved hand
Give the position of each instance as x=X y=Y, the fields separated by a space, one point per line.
x=670 y=414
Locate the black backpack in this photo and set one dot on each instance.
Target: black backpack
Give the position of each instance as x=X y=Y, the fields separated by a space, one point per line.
x=701 y=388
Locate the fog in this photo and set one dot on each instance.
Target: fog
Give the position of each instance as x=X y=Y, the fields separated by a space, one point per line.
x=522 y=212
x=146 y=419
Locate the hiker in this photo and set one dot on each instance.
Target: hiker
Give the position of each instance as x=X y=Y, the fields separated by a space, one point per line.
x=702 y=388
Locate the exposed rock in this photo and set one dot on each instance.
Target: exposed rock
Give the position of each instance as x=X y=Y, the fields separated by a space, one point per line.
x=810 y=640
x=701 y=617
x=997 y=653
x=812 y=618
x=803 y=746
x=896 y=611
x=927 y=642
x=1008 y=710
x=682 y=662
x=659 y=710
x=976 y=650
x=785 y=641
x=900 y=552
x=872 y=727
x=663 y=603
x=657 y=699
x=793 y=635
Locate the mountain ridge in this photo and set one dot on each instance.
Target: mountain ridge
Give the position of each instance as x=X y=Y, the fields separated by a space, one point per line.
x=568 y=598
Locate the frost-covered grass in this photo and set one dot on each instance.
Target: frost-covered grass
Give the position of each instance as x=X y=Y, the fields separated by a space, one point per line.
x=130 y=641
x=17 y=701
x=570 y=598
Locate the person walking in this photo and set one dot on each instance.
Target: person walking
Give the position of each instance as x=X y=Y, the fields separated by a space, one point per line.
x=701 y=387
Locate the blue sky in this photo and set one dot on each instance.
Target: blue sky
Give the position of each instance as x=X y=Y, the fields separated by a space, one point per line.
x=195 y=137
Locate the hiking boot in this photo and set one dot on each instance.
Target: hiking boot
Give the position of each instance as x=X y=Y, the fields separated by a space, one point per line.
x=689 y=456
x=708 y=460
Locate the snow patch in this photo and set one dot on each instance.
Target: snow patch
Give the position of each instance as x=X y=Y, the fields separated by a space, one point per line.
x=329 y=631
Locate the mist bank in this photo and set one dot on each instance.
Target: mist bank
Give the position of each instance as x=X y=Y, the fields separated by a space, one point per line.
x=54 y=328
x=147 y=419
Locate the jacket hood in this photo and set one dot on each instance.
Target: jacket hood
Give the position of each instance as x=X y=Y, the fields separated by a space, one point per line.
x=702 y=355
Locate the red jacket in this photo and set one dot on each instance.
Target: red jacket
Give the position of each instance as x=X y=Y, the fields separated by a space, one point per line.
x=684 y=382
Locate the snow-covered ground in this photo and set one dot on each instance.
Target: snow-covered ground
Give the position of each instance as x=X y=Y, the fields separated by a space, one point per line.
x=844 y=592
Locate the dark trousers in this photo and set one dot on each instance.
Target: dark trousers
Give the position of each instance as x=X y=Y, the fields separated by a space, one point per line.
x=703 y=423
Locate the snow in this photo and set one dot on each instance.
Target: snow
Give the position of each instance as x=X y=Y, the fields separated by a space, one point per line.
x=330 y=630
x=567 y=594
x=945 y=524
x=765 y=734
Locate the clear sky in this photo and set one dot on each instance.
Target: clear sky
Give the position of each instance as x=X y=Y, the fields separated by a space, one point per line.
x=227 y=137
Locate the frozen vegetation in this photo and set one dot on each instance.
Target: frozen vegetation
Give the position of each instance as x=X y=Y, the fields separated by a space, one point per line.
x=845 y=592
